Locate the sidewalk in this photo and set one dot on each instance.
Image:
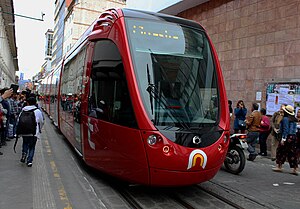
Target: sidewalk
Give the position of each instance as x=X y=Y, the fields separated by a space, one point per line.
x=22 y=186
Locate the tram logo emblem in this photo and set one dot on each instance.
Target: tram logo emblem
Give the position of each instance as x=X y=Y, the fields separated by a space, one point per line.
x=197 y=156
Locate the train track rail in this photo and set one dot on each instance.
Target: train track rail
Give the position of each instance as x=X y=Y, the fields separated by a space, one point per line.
x=137 y=198
x=227 y=201
x=237 y=195
x=128 y=198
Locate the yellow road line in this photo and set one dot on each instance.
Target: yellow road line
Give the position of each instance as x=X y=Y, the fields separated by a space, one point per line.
x=61 y=190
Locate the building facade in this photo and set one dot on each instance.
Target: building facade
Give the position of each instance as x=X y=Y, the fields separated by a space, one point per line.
x=8 y=52
x=72 y=18
x=58 y=32
x=258 y=41
x=48 y=49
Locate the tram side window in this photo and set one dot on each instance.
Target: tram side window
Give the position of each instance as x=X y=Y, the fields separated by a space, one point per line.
x=109 y=96
x=72 y=83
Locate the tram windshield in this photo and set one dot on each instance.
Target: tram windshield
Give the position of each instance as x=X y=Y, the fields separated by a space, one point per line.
x=176 y=74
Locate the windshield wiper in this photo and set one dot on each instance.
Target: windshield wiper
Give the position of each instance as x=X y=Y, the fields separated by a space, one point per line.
x=153 y=93
x=149 y=84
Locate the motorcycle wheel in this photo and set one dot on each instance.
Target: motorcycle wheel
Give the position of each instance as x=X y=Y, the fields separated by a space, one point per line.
x=235 y=160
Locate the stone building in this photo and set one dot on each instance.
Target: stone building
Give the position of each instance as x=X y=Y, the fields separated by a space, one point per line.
x=8 y=49
x=258 y=41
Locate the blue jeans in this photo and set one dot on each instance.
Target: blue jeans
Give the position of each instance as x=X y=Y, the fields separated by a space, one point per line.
x=28 y=147
x=13 y=121
x=252 y=141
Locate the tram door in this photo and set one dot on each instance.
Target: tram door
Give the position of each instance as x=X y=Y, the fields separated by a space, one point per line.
x=70 y=103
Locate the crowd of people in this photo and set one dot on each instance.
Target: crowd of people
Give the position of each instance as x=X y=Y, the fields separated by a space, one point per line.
x=283 y=126
x=12 y=105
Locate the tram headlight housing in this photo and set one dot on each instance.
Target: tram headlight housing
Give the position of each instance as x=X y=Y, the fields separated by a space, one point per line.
x=225 y=139
x=152 y=140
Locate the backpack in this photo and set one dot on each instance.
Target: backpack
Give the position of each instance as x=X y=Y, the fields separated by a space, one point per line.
x=26 y=124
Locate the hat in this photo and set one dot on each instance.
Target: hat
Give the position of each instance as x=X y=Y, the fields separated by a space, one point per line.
x=289 y=110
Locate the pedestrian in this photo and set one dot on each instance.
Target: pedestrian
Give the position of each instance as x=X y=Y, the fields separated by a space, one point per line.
x=275 y=131
x=13 y=115
x=3 y=119
x=5 y=104
x=29 y=140
x=240 y=115
x=21 y=103
x=287 y=146
x=264 y=132
x=253 y=123
x=4 y=94
x=298 y=135
x=2 y=122
x=230 y=108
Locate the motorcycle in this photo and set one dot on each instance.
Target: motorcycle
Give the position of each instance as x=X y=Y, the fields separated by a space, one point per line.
x=235 y=159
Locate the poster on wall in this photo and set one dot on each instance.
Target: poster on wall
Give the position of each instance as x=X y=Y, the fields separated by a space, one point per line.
x=282 y=93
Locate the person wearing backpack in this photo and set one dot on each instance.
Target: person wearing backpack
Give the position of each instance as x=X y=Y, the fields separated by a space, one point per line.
x=275 y=130
x=29 y=125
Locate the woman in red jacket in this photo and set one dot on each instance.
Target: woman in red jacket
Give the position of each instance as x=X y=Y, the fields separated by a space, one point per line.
x=264 y=132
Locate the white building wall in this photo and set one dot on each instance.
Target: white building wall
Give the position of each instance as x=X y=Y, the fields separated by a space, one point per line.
x=7 y=69
x=150 y=5
x=172 y=7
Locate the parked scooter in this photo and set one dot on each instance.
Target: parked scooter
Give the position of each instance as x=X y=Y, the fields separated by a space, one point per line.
x=235 y=159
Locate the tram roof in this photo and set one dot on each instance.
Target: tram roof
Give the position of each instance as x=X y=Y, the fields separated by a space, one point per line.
x=159 y=16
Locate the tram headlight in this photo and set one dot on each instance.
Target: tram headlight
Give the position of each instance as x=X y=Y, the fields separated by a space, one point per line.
x=225 y=139
x=152 y=139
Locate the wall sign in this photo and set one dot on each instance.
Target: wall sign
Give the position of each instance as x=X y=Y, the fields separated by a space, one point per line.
x=282 y=93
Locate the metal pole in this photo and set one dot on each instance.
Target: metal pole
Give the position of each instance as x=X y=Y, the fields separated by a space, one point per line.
x=32 y=18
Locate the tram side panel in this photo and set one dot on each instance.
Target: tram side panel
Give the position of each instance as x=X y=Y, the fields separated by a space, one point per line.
x=50 y=105
x=47 y=94
x=112 y=140
x=56 y=82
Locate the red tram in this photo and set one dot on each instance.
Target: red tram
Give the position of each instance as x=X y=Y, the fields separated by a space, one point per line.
x=141 y=96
